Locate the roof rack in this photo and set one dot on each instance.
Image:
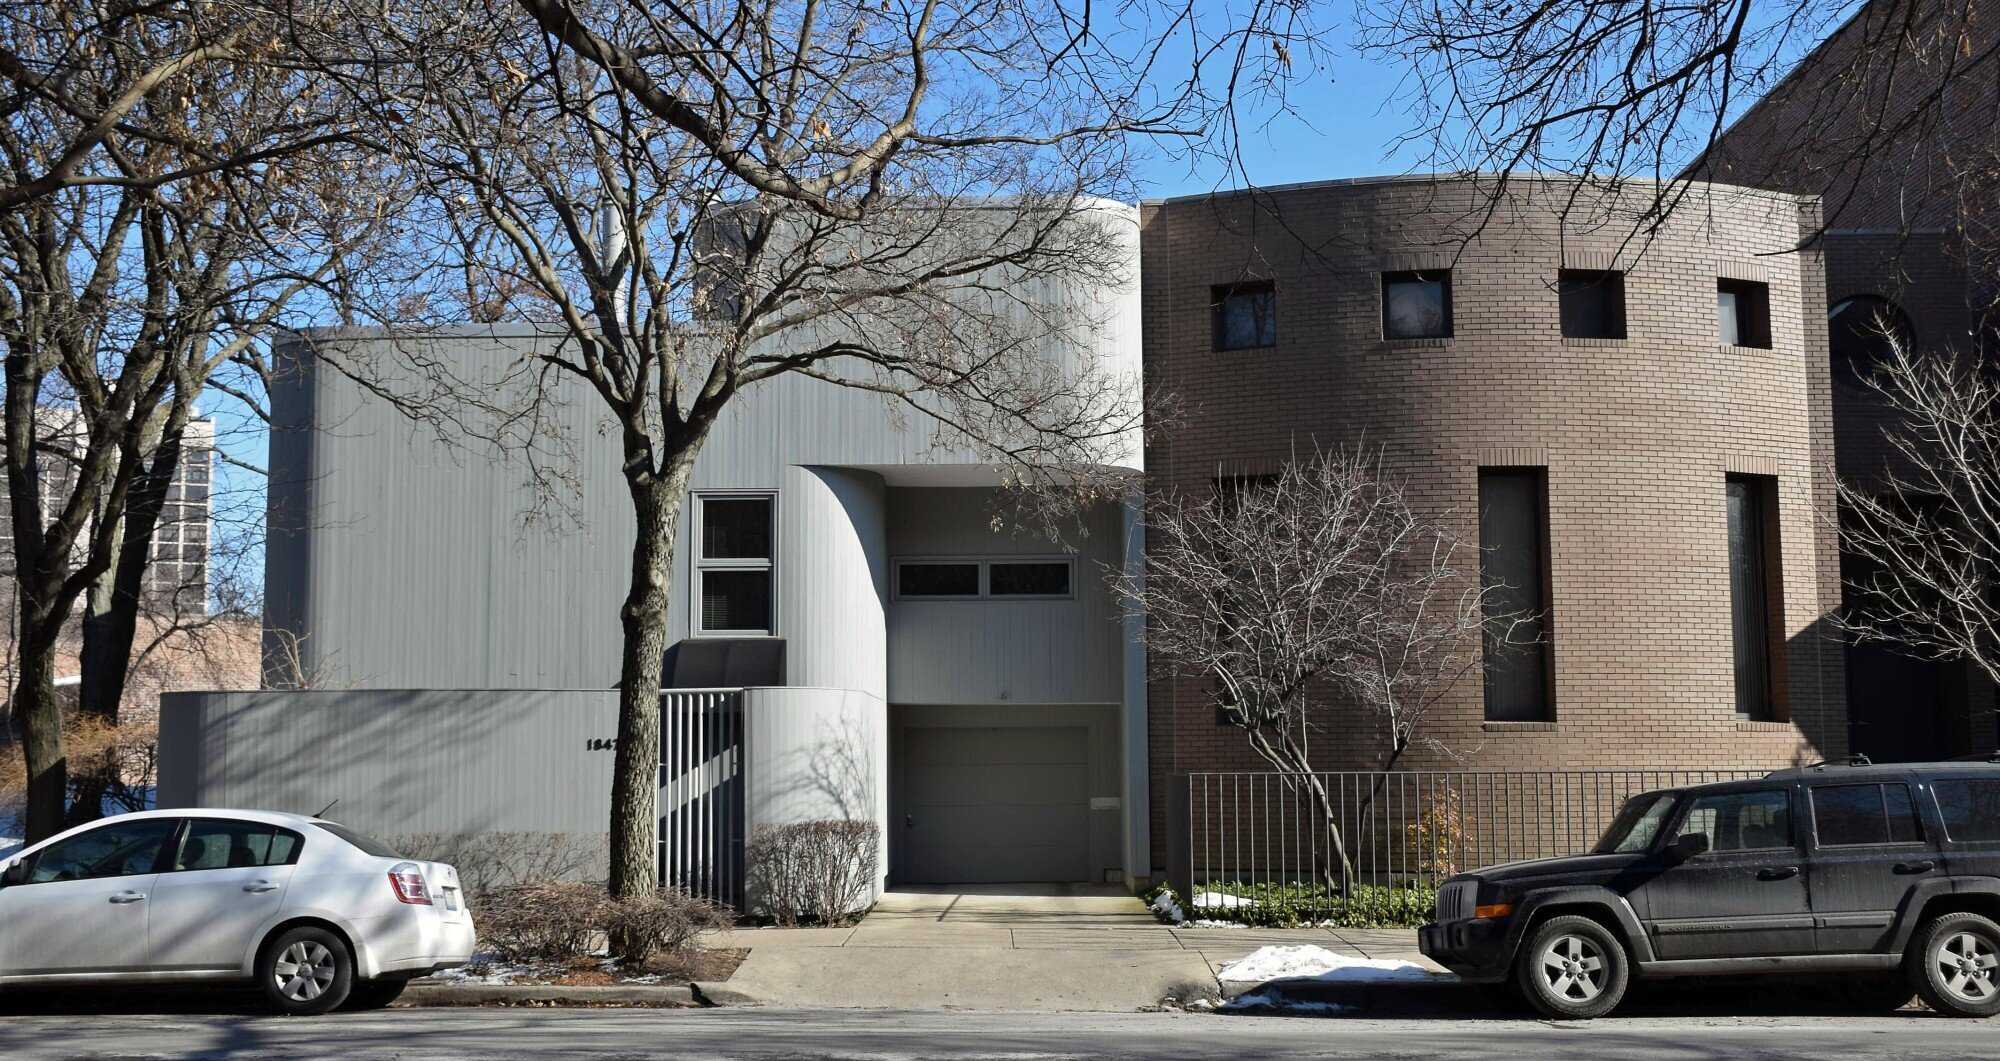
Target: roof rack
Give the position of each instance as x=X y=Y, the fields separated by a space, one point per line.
x=1857 y=759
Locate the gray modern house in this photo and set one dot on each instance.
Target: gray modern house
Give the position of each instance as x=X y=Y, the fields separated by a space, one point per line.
x=852 y=636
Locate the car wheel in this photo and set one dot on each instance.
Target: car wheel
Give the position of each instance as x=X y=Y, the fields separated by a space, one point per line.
x=305 y=971
x=1572 y=968
x=1954 y=963
x=375 y=994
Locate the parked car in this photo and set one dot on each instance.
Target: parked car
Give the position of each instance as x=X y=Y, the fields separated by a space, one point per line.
x=1888 y=875
x=317 y=915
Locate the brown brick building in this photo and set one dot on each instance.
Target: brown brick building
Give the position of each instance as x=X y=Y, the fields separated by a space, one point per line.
x=1642 y=454
x=1892 y=122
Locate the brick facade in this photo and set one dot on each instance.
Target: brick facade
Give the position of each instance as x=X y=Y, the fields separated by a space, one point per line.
x=1637 y=436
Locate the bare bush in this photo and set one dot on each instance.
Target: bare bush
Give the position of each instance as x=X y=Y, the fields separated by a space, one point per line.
x=546 y=921
x=490 y=862
x=665 y=923
x=816 y=872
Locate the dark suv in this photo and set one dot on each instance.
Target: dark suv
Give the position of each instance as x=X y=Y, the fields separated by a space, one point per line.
x=1888 y=872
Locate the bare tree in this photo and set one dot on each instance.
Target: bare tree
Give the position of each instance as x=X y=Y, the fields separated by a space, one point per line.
x=1316 y=590
x=175 y=187
x=1926 y=532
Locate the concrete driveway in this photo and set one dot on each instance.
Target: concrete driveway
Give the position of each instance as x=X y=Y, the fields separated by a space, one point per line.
x=1011 y=947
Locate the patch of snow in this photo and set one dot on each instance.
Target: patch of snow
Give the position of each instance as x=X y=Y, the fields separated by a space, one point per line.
x=1307 y=962
x=1207 y=922
x=1221 y=901
x=1166 y=907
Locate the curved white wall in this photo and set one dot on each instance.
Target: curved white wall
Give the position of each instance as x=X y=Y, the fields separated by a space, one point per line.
x=832 y=579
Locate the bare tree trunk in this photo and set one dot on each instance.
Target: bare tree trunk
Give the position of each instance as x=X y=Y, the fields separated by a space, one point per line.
x=635 y=784
x=39 y=715
x=111 y=625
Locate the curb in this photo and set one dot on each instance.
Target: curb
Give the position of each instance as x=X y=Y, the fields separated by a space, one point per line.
x=1446 y=995
x=573 y=995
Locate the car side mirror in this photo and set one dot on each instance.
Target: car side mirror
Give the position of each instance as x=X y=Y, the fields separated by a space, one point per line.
x=1688 y=845
x=15 y=873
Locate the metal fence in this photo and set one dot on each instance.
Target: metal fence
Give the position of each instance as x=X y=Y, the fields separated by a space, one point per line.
x=1413 y=827
x=701 y=792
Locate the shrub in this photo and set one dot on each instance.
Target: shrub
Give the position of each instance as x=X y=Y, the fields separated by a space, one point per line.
x=816 y=871
x=564 y=920
x=1440 y=834
x=490 y=862
x=553 y=921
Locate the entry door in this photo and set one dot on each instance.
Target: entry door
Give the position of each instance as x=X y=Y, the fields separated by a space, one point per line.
x=1869 y=854
x=208 y=908
x=84 y=906
x=996 y=804
x=1747 y=897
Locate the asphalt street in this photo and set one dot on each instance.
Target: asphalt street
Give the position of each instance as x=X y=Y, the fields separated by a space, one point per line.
x=778 y=1033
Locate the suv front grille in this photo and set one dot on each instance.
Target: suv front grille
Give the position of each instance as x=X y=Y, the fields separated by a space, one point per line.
x=1456 y=900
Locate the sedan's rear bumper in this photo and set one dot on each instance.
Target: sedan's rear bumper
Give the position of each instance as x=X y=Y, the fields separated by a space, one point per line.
x=420 y=941
x=1476 y=948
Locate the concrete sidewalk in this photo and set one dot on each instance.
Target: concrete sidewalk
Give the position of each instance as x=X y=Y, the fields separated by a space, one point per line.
x=1039 y=947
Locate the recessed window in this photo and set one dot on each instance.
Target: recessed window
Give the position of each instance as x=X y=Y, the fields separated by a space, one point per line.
x=1756 y=597
x=1514 y=584
x=1416 y=305
x=1593 y=303
x=1743 y=312
x=1864 y=331
x=1028 y=578
x=921 y=578
x=733 y=576
x=1245 y=316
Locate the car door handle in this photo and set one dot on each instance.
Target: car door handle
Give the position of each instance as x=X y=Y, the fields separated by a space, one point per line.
x=1777 y=872
x=122 y=898
x=261 y=886
x=1924 y=866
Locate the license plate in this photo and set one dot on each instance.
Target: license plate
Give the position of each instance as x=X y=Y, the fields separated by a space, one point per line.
x=451 y=898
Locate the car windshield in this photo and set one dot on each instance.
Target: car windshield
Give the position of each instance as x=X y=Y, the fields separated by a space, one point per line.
x=368 y=844
x=1637 y=823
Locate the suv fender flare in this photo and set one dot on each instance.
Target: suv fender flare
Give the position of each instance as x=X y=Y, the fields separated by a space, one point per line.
x=1920 y=896
x=1592 y=896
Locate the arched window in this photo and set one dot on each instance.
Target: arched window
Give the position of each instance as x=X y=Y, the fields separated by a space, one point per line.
x=1862 y=329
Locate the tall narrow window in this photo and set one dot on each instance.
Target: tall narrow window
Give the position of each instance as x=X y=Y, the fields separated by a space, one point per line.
x=1514 y=578
x=733 y=554
x=1755 y=595
x=1245 y=316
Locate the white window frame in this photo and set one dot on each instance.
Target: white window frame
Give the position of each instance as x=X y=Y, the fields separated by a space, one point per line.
x=985 y=564
x=699 y=566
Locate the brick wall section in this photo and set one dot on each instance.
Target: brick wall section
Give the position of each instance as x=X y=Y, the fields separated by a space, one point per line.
x=1637 y=436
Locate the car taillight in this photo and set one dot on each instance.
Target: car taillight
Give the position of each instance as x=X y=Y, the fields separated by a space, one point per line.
x=408 y=881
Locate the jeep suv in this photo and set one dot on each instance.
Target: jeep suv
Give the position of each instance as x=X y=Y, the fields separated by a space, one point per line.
x=1889 y=873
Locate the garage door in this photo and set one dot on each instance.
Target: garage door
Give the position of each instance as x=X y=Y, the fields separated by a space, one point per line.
x=996 y=804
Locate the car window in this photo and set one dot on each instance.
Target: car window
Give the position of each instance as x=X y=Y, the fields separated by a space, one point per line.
x=1864 y=814
x=120 y=849
x=1637 y=824
x=1970 y=809
x=1741 y=821
x=216 y=843
x=368 y=844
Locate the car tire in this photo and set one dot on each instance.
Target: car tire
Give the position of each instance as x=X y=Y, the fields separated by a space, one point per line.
x=305 y=971
x=1954 y=964
x=1572 y=968
x=375 y=994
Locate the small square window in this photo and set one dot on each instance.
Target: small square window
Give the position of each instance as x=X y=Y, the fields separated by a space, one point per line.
x=1245 y=316
x=1743 y=312
x=736 y=528
x=1593 y=303
x=1416 y=305
x=1010 y=578
x=736 y=601
x=931 y=579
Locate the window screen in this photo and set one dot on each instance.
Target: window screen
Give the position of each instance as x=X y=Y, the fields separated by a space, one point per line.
x=735 y=600
x=1513 y=578
x=1970 y=809
x=1015 y=578
x=736 y=528
x=1416 y=305
x=1592 y=303
x=1864 y=814
x=1245 y=316
x=938 y=580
